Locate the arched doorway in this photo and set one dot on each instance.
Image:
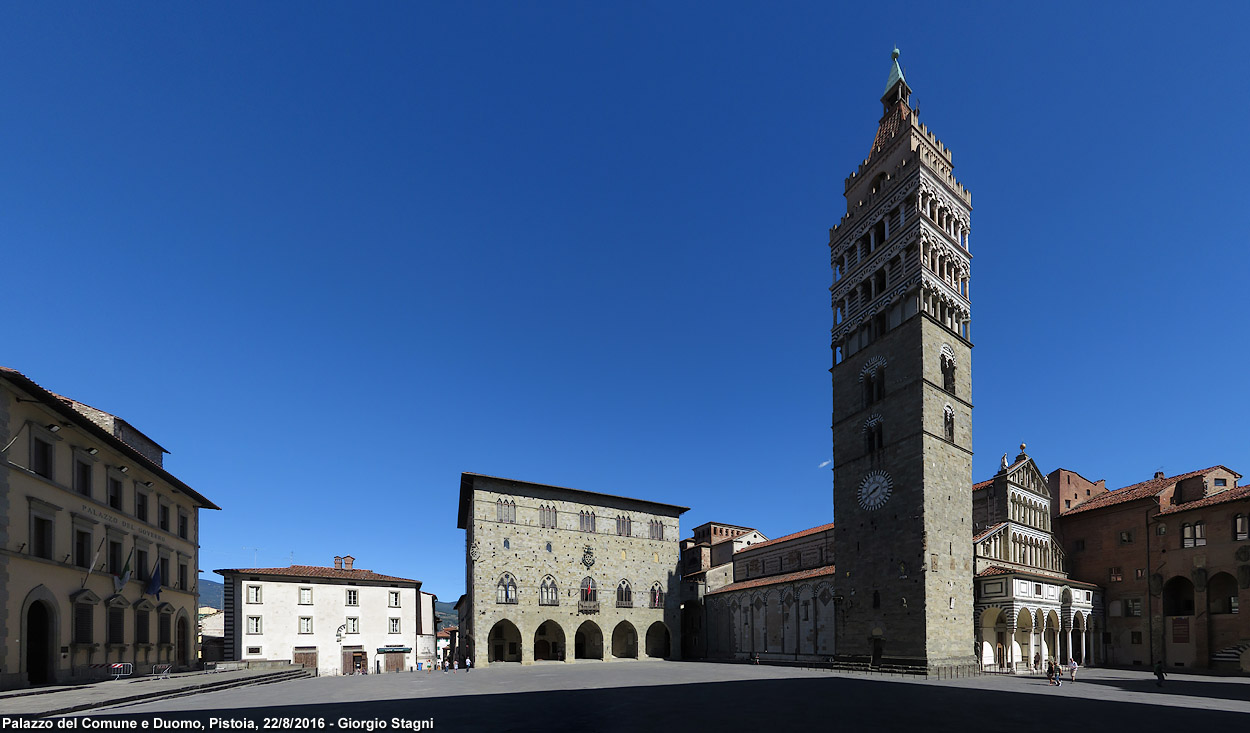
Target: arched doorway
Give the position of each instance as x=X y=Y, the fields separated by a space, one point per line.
x=1078 y=651
x=1051 y=637
x=1024 y=639
x=657 y=640
x=182 y=642
x=625 y=641
x=588 y=642
x=549 y=641
x=504 y=642
x=1178 y=597
x=993 y=638
x=40 y=642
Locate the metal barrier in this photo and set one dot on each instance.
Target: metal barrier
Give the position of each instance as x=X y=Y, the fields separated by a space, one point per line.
x=162 y=670
x=123 y=669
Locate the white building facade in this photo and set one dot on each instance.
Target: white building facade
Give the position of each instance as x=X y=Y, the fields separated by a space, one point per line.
x=338 y=620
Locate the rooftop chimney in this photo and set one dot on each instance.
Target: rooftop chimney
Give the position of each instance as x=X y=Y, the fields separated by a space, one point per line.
x=338 y=563
x=347 y=562
x=1158 y=474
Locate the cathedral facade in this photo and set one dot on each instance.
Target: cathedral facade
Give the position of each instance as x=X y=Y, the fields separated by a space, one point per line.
x=902 y=437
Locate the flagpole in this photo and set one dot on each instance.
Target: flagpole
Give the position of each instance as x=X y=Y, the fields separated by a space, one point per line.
x=92 y=565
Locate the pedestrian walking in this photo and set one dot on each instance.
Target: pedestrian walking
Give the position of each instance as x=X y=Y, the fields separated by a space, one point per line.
x=1072 y=666
x=1037 y=663
x=455 y=667
x=444 y=666
x=1159 y=674
x=468 y=664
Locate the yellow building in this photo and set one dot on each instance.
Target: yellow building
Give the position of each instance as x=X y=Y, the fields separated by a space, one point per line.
x=98 y=543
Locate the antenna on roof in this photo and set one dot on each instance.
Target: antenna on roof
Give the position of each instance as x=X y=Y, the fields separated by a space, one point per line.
x=254 y=551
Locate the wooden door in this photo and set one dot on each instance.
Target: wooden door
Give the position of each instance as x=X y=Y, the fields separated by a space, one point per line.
x=394 y=662
x=306 y=658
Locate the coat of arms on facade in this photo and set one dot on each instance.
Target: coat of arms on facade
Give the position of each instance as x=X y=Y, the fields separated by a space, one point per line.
x=588 y=557
x=474 y=553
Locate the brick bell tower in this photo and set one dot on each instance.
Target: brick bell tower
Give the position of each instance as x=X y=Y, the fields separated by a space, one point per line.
x=902 y=403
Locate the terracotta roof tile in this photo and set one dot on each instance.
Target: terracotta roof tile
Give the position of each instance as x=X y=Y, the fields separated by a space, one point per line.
x=999 y=570
x=1144 y=490
x=796 y=535
x=316 y=571
x=982 y=485
x=1234 y=494
x=776 y=579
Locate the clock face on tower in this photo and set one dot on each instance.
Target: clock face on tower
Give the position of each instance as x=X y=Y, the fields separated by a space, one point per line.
x=874 y=490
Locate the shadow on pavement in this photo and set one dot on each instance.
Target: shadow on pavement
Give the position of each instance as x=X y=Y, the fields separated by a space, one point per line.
x=1207 y=687
x=756 y=705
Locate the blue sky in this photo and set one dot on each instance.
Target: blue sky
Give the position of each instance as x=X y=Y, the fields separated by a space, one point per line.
x=331 y=256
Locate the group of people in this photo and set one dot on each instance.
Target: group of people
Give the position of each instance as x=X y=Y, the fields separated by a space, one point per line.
x=453 y=666
x=1054 y=670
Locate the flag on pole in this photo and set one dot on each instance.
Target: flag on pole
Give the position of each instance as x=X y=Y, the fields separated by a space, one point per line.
x=154 y=582
x=120 y=582
x=93 y=561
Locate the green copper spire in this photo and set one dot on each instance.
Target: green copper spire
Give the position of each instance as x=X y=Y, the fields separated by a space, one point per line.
x=896 y=73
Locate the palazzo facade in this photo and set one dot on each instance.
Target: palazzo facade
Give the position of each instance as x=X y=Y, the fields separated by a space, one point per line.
x=99 y=544
x=558 y=574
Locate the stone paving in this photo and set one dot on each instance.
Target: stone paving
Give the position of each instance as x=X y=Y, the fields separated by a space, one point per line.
x=698 y=696
x=42 y=700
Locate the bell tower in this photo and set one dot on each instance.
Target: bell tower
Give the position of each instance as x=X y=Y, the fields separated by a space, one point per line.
x=902 y=402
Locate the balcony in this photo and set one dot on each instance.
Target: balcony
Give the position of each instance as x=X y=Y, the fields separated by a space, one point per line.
x=626 y=603
x=588 y=606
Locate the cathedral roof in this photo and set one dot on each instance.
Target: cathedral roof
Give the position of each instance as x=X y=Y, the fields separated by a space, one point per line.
x=777 y=579
x=795 y=536
x=989 y=531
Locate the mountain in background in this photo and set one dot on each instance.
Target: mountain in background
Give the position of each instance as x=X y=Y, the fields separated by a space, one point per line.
x=210 y=593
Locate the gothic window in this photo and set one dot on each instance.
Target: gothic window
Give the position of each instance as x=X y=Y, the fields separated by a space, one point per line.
x=624 y=526
x=948 y=375
x=548 y=594
x=1241 y=527
x=547 y=516
x=657 y=595
x=656 y=530
x=624 y=595
x=948 y=423
x=589 y=593
x=586 y=521
x=505 y=511
x=505 y=590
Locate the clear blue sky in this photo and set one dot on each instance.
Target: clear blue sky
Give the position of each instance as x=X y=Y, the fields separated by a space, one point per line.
x=332 y=255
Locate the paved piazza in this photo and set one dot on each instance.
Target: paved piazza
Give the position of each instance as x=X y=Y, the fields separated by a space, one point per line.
x=695 y=696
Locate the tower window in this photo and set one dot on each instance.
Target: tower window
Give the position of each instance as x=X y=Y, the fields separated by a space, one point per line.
x=948 y=423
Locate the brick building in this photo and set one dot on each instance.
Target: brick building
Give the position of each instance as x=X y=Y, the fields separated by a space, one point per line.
x=706 y=565
x=1173 y=554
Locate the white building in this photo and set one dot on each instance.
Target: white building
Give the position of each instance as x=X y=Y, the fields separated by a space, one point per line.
x=339 y=620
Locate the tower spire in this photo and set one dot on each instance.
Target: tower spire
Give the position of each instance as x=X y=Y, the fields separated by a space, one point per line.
x=896 y=89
